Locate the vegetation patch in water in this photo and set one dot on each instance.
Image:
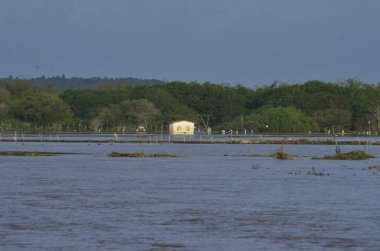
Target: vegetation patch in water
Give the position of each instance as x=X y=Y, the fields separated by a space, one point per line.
x=165 y=246
x=354 y=155
x=280 y=154
x=23 y=153
x=374 y=168
x=141 y=155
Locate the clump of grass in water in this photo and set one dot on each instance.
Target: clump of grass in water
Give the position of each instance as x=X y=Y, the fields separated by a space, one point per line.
x=168 y=245
x=280 y=154
x=354 y=155
x=141 y=155
x=21 y=153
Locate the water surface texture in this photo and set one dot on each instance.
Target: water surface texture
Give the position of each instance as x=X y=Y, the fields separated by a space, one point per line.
x=213 y=197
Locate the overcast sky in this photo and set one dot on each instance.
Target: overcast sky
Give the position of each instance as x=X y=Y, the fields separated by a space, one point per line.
x=251 y=42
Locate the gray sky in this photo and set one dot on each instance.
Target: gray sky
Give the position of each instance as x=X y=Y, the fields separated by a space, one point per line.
x=251 y=42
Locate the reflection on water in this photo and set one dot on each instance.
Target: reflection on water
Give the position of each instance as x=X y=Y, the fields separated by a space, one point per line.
x=201 y=201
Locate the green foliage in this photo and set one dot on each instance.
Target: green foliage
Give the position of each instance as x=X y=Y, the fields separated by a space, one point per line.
x=279 y=120
x=221 y=101
x=40 y=108
x=280 y=108
x=4 y=102
x=171 y=107
x=129 y=112
x=63 y=83
x=139 y=112
x=108 y=117
x=87 y=104
x=340 y=119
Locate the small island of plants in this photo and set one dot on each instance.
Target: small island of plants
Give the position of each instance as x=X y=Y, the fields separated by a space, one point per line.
x=141 y=155
x=353 y=155
x=283 y=155
x=24 y=153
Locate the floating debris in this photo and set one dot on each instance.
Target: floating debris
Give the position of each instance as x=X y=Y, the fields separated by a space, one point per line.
x=256 y=166
x=318 y=173
x=294 y=173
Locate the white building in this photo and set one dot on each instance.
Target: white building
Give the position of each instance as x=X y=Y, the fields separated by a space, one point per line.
x=182 y=128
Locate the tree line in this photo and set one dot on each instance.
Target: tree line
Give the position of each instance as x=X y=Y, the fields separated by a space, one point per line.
x=314 y=106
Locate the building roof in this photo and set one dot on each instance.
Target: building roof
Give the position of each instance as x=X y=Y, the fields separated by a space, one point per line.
x=178 y=121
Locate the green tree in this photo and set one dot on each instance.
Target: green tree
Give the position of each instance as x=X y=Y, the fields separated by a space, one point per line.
x=4 y=100
x=40 y=108
x=139 y=112
x=279 y=120
x=340 y=119
x=108 y=118
x=87 y=104
x=375 y=111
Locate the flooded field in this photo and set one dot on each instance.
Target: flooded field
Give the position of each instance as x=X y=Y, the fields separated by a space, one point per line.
x=212 y=197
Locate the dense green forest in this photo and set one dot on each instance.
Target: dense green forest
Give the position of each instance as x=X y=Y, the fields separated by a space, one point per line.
x=119 y=105
x=62 y=83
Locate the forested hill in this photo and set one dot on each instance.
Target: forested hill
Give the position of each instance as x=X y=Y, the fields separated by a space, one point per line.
x=313 y=106
x=61 y=83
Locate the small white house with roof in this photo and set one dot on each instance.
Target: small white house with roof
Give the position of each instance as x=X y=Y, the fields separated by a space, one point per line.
x=182 y=127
